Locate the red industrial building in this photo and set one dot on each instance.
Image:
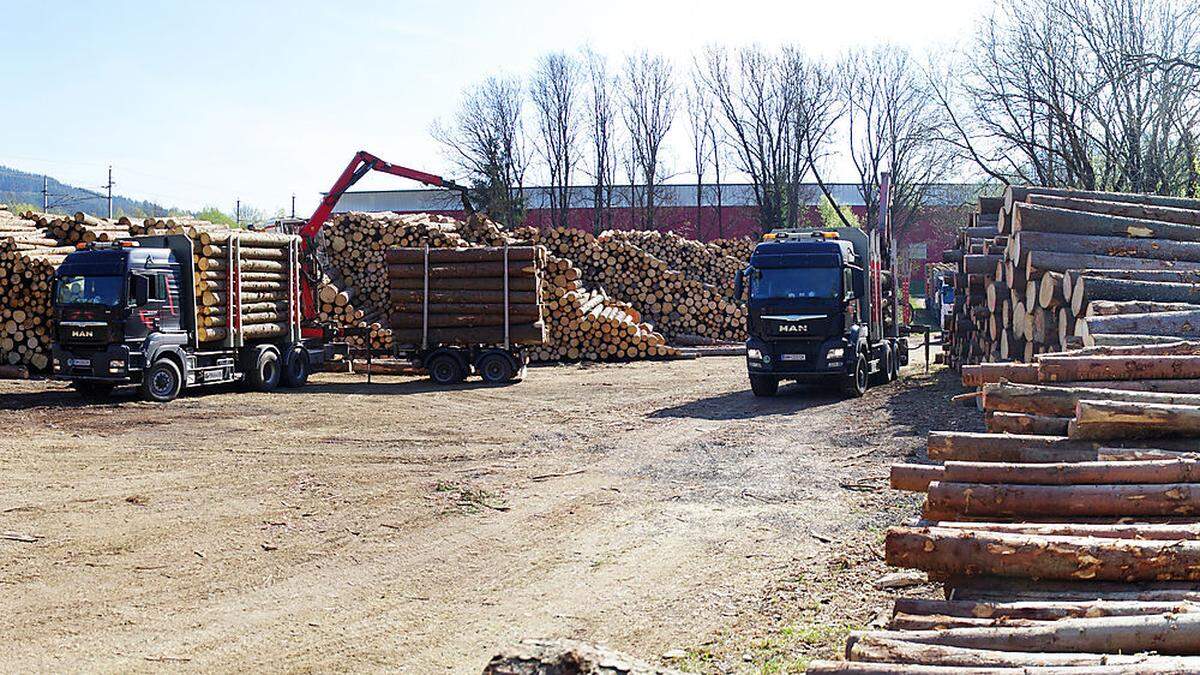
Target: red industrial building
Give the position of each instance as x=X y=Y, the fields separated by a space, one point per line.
x=737 y=215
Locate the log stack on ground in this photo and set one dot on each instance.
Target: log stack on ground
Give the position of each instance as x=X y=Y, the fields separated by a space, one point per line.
x=29 y=254
x=589 y=325
x=675 y=303
x=483 y=295
x=1068 y=535
x=1066 y=266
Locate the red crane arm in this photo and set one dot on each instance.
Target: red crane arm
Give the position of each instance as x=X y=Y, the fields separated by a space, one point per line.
x=358 y=167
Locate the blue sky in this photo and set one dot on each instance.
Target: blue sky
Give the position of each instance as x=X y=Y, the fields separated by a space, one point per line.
x=198 y=103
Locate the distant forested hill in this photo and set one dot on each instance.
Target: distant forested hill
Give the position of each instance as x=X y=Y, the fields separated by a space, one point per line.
x=18 y=187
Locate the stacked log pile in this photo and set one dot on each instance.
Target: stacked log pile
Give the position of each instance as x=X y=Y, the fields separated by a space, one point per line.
x=484 y=295
x=1068 y=535
x=264 y=296
x=676 y=304
x=1043 y=269
x=706 y=263
x=589 y=325
x=29 y=254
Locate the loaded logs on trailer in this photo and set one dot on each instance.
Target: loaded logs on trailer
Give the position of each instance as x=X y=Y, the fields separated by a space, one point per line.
x=1069 y=267
x=466 y=295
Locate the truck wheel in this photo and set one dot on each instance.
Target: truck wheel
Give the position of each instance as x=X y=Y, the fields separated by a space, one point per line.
x=295 y=368
x=495 y=368
x=162 y=382
x=764 y=385
x=855 y=384
x=895 y=375
x=264 y=370
x=92 y=389
x=446 y=369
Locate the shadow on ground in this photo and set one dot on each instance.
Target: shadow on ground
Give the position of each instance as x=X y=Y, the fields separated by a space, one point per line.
x=743 y=404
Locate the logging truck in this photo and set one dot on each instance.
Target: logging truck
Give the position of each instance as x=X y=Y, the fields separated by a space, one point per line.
x=817 y=311
x=134 y=312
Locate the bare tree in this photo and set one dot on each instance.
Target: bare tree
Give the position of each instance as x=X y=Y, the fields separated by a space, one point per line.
x=1056 y=92
x=700 y=132
x=776 y=111
x=649 y=98
x=893 y=124
x=487 y=142
x=718 y=151
x=554 y=92
x=602 y=130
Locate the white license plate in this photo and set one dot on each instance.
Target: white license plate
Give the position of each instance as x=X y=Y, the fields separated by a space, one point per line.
x=79 y=363
x=794 y=357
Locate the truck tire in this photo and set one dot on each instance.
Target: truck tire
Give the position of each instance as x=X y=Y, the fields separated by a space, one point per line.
x=161 y=382
x=764 y=385
x=855 y=384
x=446 y=368
x=295 y=368
x=896 y=363
x=496 y=368
x=264 y=369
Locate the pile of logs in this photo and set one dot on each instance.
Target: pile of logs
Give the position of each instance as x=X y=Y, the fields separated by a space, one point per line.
x=603 y=323
x=1068 y=535
x=678 y=304
x=1044 y=269
x=29 y=254
x=589 y=325
x=484 y=295
x=707 y=263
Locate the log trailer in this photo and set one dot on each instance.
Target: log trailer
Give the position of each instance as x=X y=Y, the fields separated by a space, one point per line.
x=823 y=307
x=128 y=313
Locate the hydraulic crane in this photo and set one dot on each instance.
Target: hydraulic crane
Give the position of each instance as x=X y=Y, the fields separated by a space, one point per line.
x=362 y=163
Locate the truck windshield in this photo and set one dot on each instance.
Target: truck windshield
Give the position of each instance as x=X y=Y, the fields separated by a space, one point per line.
x=101 y=290
x=797 y=282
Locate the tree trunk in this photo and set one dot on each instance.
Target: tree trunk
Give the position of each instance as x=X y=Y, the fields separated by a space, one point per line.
x=1165 y=531
x=1025 y=423
x=1015 y=194
x=1060 y=401
x=984 y=373
x=1180 y=470
x=1088 y=368
x=1059 y=261
x=1164 y=214
x=983 y=500
x=1045 y=219
x=914 y=477
x=1185 y=324
x=957 y=552
x=1118 y=308
x=1085 y=289
x=1148 y=249
x=944 y=446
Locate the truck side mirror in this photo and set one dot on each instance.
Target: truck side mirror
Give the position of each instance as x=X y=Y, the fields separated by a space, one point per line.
x=859 y=283
x=141 y=290
x=739 y=284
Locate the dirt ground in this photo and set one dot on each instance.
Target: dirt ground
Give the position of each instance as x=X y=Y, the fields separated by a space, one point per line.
x=658 y=508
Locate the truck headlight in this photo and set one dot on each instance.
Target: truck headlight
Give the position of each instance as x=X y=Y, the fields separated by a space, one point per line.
x=754 y=354
x=116 y=366
x=835 y=353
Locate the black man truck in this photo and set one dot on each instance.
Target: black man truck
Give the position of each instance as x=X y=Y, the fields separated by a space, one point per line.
x=134 y=312
x=822 y=308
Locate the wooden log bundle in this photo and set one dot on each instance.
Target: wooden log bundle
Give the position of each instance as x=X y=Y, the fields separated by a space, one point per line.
x=29 y=255
x=589 y=325
x=1063 y=251
x=676 y=303
x=515 y=316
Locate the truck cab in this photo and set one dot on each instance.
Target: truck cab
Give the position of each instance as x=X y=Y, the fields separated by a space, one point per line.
x=116 y=305
x=812 y=312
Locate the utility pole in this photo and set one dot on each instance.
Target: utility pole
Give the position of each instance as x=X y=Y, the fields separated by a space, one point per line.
x=237 y=213
x=293 y=204
x=45 y=194
x=110 y=187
